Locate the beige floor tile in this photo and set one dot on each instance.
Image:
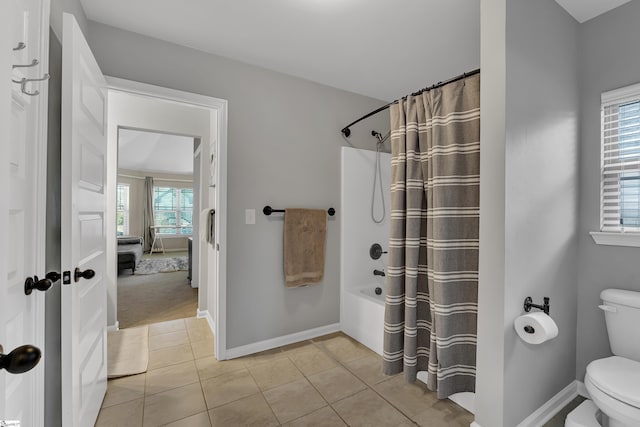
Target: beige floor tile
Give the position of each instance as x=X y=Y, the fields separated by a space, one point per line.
x=199 y=330
x=170 y=339
x=311 y=360
x=127 y=414
x=297 y=347
x=344 y=349
x=202 y=348
x=368 y=369
x=411 y=399
x=294 y=400
x=274 y=373
x=325 y=417
x=263 y=356
x=210 y=367
x=195 y=322
x=169 y=356
x=174 y=376
x=368 y=409
x=167 y=327
x=124 y=389
x=336 y=383
x=444 y=413
x=173 y=405
x=249 y=411
x=229 y=387
x=198 y=420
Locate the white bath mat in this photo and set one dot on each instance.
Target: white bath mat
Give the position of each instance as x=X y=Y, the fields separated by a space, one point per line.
x=128 y=352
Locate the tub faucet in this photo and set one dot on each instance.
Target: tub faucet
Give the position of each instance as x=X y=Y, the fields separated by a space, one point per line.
x=378 y=273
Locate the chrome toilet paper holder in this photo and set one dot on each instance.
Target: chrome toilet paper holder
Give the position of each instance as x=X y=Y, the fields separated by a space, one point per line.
x=528 y=305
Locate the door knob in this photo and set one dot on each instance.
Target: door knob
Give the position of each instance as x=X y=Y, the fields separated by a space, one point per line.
x=34 y=283
x=21 y=359
x=87 y=274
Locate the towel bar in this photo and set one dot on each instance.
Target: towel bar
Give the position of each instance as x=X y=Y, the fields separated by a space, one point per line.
x=268 y=210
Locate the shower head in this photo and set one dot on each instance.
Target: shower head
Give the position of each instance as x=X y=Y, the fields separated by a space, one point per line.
x=377 y=135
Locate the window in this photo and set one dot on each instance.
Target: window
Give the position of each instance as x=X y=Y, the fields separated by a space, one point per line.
x=620 y=168
x=173 y=210
x=122 y=210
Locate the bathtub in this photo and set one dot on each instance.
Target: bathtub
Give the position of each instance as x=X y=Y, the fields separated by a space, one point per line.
x=363 y=320
x=363 y=316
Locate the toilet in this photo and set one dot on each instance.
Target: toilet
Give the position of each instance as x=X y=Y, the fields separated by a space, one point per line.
x=613 y=383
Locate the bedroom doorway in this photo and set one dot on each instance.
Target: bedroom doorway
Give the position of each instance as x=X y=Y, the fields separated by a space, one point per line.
x=135 y=106
x=156 y=220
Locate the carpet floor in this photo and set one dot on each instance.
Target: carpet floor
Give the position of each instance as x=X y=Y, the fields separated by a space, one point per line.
x=154 y=298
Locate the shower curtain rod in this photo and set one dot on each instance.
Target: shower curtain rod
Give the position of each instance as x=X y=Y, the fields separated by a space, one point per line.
x=346 y=131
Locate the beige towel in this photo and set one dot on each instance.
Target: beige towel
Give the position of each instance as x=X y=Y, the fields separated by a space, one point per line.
x=305 y=235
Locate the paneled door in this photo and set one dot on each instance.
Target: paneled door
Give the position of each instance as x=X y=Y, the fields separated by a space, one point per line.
x=83 y=204
x=24 y=35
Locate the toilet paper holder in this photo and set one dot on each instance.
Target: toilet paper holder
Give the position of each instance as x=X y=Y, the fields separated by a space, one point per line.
x=528 y=305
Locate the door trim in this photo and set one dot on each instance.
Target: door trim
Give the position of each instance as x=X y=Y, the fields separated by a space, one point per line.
x=40 y=225
x=219 y=107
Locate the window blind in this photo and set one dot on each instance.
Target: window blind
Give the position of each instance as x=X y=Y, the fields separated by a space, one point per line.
x=620 y=166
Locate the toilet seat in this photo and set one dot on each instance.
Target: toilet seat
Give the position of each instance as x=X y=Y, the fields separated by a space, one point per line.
x=618 y=377
x=612 y=383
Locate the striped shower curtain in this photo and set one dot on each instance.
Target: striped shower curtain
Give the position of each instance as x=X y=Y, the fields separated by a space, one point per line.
x=432 y=272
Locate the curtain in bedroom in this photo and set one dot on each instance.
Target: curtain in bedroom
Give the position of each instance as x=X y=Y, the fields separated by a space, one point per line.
x=432 y=272
x=147 y=221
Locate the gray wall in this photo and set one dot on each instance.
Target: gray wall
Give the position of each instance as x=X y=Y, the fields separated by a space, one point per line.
x=540 y=195
x=70 y=6
x=283 y=149
x=610 y=58
x=542 y=151
x=52 y=361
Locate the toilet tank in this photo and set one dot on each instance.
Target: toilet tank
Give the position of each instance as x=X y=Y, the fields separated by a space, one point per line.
x=622 y=315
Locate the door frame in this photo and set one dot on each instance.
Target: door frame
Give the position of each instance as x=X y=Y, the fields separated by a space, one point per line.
x=219 y=110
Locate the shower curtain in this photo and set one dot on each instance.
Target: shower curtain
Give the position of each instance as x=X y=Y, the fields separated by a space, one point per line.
x=147 y=220
x=432 y=272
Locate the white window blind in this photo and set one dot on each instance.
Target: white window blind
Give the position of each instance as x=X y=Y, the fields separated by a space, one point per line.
x=620 y=166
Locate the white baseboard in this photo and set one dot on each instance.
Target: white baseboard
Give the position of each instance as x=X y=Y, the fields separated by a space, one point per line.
x=113 y=328
x=244 y=350
x=582 y=390
x=204 y=314
x=552 y=407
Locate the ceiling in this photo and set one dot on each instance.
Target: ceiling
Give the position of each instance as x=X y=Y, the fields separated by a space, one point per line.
x=155 y=152
x=371 y=47
x=583 y=10
x=381 y=48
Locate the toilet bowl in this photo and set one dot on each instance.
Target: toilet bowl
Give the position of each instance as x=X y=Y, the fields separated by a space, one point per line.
x=614 y=386
x=614 y=382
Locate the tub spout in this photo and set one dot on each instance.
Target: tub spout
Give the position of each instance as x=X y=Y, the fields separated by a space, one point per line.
x=378 y=273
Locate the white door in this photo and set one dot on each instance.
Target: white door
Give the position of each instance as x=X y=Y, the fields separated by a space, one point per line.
x=84 y=300
x=24 y=38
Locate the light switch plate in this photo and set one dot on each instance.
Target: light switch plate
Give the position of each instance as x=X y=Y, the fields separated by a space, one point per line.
x=249 y=216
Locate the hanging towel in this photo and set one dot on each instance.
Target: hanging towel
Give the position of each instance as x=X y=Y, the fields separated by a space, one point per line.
x=208 y=225
x=305 y=235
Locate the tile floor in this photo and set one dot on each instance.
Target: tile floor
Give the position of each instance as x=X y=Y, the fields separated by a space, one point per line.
x=328 y=381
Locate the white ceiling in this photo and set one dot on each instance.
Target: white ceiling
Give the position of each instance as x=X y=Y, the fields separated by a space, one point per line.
x=583 y=10
x=155 y=152
x=380 y=48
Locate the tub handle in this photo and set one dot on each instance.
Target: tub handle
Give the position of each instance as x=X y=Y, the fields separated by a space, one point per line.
x=608 y=308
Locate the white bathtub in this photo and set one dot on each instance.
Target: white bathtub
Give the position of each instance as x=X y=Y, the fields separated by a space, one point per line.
x=363 y=320
x=370 y=293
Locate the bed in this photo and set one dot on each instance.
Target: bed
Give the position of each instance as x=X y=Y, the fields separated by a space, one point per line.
x=129 y=253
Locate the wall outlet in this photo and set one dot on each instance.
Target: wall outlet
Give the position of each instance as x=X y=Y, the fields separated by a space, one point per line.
x=249 y=216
